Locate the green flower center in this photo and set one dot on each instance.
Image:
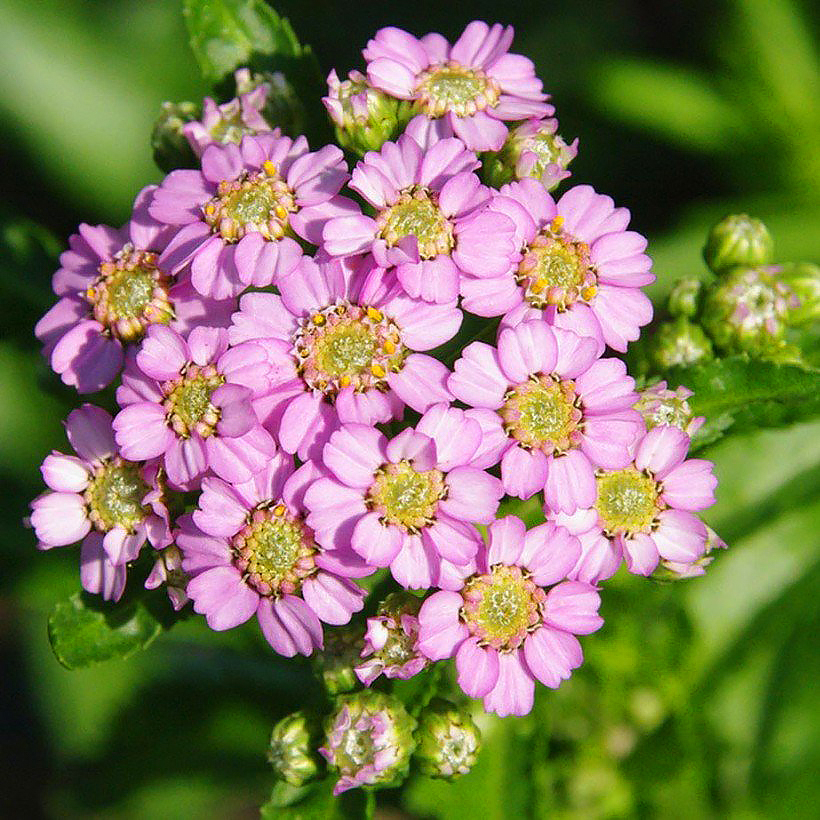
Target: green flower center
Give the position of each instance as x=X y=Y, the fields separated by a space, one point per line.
x=417 y=214
x=130 y=294
x=255 y=202
x=274 y=550
x=502 y=607
x=406 y=497
x=188 y=401
x=628 y=501
x=348 y=345
x=556 y=270
x=452 y=87
x=114 y=497
x=543 y=413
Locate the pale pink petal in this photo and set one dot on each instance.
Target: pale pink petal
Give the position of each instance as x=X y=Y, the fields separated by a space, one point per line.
x=477 y=668
x=689 y=486
x=570 y=482
x=640 y=554
x=661 y=450
x=333 y=599
x=440 y=630
x=680 y=536
x=573 y=607
x=421 y=383
x=549 y=553
x=478 y=379
x=222 y=597
x=514 y=691
x=551 y=655
x=65 y=474
x=506 y=540
x=523 y=472
x=527 y=349
x=457 y=436
x=59 y=519
x=354 y=453
x=377 y=543
x=473 y=495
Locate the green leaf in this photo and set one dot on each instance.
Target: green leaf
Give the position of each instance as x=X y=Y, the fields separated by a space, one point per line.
x=84 y=631
x=226 y=34
x=738 y=394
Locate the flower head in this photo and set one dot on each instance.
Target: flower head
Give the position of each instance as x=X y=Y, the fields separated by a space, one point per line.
x=658 y=405
x=468 y=89
x=448 y=741
x=515 y=619
x=738 y=240
x=343 y=348
x=112 y=288
x=369 y=740
x=431 y=223
x=577 y=266
x=238 y=219
x=553 y=412
x=96 y=496
x=645 y=512
x=250 y=551
x=189 y=402
x=407 y=503
x=292 y=750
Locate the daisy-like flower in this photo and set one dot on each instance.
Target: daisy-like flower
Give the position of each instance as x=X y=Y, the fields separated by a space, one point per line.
x=239 y=218
x=189 y=403
x=342 y=348
x=391 y=641
x=431 y=222
x=112 y=505
x=230 y=121
x=645 y=513
x=558 y=411
x=407 y=503
x=112 y=288
x=503 y=627
x=577 y=266
x=468 y=89
x=249 y=551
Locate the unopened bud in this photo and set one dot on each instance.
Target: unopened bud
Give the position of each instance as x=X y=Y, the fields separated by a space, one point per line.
x=364 y=117
x=746 y=310
x=804 y=280
x=281 y=106
x=535 y=149
x=369 y=740
x=168 y=141
x=292 y=751
x=678 y=343
x=168 y=570
x=335 y=664
x=448 y=740
x=684 y=297
x=738 y=240
x=661 y=406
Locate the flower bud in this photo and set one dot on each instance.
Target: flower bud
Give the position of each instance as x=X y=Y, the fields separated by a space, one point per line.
x=804 y=280
x=168 y=570
x=448 y=741
x=738 y=240
x=390 y=641
x=292 y=751
x=168 y=142
x=364 y=118
x=678 y=343
x=684 y=297
x=746 y=311
x=335 y=663
x=660 y=406
x=369 y=740
x=280 y=104
x=534 y=149
x=680 y=571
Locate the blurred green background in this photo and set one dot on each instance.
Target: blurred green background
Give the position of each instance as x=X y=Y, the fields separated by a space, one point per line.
x=697 y=699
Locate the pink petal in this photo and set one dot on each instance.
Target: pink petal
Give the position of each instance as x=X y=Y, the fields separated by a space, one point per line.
x=573 y=607
x=453 y=540
x=185 y=460
x=416 y=564
x=333 y=599
x=570 y=483
x=506 y=540
x=478 y=379
x=421 y=383
x=661 y=450
x=440 y=630
x=523 y=472
x=641 y=554
x=681 y=536
x=689 y=486
x=473 y=495
x=163 y=353
x=221 y=511
x=222 y=597
x=59 y=519
x=477 y=668
x=457 y=436
x=89 y=431
x=301 y=623
x=377 y=543
x=605 y=387
x=141 y=431
x=97 y=574
x=65 y=474
x=347 y=235
x=354 y=453
x=514 y=691
x=549 y=553
x=527 y=349
x=551 y=655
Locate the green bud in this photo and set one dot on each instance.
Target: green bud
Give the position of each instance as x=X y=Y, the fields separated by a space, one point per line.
x=746 y=311
x=804 y=280
x=292 y=751
x=448 y=741
x=738 y=240
x=684 y=298
x=677 y=343
x=336 y=663
x=169 y=145
x=364 y=118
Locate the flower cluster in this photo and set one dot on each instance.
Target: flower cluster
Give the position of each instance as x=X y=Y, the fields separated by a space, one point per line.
x=297 y=407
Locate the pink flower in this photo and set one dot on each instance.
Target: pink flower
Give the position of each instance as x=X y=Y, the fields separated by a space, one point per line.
x=503 y=627
x=554 y=411
x=644 y=513
x=189 y=403
x=112 y=505
x=231 y=121
x=407 y=503
x=466 y=90
x=577 y=266
x=249 y=551
x=430 y=222
x=342 y=348
x=111 y=288
x=240 y=216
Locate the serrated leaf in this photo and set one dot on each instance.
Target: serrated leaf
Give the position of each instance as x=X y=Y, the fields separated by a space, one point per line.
x=84 y=631
x=738 y=394
x=226 y=34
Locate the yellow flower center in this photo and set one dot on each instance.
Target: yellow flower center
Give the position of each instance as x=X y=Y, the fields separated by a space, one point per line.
x=628 y=501
x=453 y=87
x=406 y=497
x=188 y=401
x=114 y=497
x=417 y=214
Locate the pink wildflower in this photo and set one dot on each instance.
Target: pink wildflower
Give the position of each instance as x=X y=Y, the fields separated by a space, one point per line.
x=468 y=90
x=503 y=627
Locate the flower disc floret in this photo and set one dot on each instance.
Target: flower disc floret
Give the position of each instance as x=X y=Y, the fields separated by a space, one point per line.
x=115 y=496
x=450 y=86
x=188 y=401
x=405 y=496
x=628 y=501
x=417 y=214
